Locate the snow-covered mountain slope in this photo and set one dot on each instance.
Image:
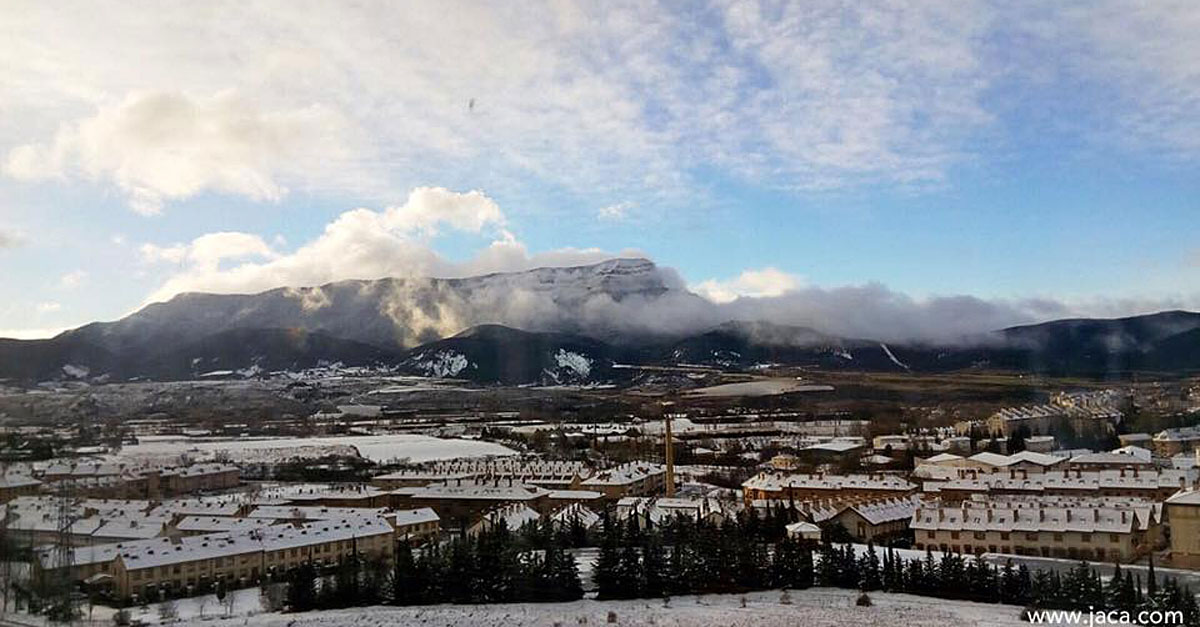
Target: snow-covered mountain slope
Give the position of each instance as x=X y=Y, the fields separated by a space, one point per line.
x=498 y=354
x=608 y=299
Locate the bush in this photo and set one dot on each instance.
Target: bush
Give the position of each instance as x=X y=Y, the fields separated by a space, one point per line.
x=863 y=600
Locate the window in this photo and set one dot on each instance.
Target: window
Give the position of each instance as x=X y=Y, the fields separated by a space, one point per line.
x=1086 y=537
x=979 y=535
x=1058 y=537
x=1033 y=536
x=1003 y=535
x=1112 y=537
x=954 y=536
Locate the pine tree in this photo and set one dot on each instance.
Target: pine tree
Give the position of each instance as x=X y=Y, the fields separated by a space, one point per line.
x=404 y=581
x=868 y=570
x=302 y=588
x=931 y=578
x=630 y=576
x=654 y=568
x=1010 y=584
x=605 y=571
x=827 y=566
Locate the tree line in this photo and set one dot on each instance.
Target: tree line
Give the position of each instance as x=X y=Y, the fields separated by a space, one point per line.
x=639 y=558
x=493 y=566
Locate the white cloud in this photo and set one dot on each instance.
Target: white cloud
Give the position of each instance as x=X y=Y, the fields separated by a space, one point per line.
x=615 y=213
x=11 y=238
x=72 y=279
x=358 y=244
x=47 y=307
x=762 y=283
x=36 y=333
x=159 y=146
x=633 y=97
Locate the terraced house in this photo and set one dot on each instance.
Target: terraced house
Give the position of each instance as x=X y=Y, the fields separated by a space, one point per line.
x=1102 y=530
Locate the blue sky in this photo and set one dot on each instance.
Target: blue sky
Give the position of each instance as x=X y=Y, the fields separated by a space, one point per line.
x=1041 y=161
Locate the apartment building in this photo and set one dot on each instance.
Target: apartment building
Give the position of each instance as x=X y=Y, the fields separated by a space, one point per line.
x=182 y=566
x=1097 y=529
x=13 y=486
x=1171 y=442
x=777 y=486
x=871 y=521
x=1152 y=485
x=461 y=503
x=1183 y=513
x=629 y=479
x=552 y=475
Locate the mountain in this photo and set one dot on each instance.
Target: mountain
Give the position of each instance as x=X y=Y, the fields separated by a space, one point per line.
x=405 y=312
x=577 y=322
x=252 y=351
x=745 y=344
x=499 y=354
x=1166 y=341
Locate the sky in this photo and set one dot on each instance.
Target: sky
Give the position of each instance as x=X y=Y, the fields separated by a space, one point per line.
x=1037 y=160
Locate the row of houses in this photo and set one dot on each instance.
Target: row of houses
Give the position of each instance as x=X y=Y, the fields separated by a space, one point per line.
x=188 y=564
x=119 y=480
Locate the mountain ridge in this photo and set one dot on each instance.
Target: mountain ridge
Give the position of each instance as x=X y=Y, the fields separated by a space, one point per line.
x=621 y=309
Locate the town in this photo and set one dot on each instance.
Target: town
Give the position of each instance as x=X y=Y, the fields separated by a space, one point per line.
x=153 y=510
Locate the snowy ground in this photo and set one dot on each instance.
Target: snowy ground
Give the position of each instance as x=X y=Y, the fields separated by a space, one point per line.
x=769 y=387
x=379 y=448
x=818 y=607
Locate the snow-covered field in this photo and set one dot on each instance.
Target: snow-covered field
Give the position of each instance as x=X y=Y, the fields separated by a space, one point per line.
x=817 y=607
x=379 y=448
x=768 y=387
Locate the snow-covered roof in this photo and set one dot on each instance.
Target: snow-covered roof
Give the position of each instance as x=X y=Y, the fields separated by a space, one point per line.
x=1033 y=457
x=18 y=481
x=302 y=512
x=942 y=458
x=1189 y=496
x=991 y=459
x=1034 y=515
x=132 y=528
x=1110 y=458
x=165 y=551
x=624 y=474
x=495 y=490
x=214 y=524
x=420 y=515
x=775 y=481
x=575 y=511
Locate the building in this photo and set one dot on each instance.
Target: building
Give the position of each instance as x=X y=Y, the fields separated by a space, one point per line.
x=1102 y=530
x=872 y=521
x=629 y=479
x=552 y=475
x=658 y=510
x=1110 y=461
x=1083 y=417
x=461 y=503
x=1171 y=442
x=1152 y=485
x=13 y=486
x=803 y=487
x=1183 y=512
x=183 y=566
x=513 y=515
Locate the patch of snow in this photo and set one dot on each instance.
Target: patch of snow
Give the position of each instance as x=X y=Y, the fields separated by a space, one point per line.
x=78 y=372
x=579 y=364
x=892 y=357
x=444 y=363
